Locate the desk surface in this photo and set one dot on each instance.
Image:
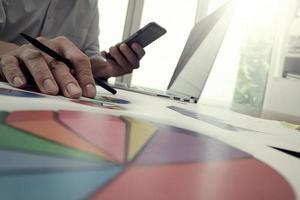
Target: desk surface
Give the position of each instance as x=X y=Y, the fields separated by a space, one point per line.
x=134 y=146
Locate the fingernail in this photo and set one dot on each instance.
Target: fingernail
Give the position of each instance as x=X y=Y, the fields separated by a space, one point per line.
x=17 y=81
x=123 y=46
x=49 y=85
x=73 y=89
x=91 y=90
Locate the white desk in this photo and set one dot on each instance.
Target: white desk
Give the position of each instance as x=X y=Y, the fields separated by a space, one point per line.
x=251 y=135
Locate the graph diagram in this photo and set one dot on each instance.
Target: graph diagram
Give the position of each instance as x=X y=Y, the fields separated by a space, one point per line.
x=82 y=155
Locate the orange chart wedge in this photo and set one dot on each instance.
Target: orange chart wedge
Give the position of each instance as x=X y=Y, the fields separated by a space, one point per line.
x=44 y=125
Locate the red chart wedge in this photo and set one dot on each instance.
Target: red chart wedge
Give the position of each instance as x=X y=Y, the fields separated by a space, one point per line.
x=81 y=155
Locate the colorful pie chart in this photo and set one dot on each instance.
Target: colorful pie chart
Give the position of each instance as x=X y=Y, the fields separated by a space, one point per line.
x=80 y=155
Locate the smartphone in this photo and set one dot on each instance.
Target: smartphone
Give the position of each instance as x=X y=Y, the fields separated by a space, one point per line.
x=144 y=36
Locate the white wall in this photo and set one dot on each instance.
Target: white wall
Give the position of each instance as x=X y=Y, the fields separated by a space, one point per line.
x=282 y=100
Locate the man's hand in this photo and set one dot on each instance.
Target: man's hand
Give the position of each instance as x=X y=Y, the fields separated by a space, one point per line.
x=125 y=61
x=51 y=76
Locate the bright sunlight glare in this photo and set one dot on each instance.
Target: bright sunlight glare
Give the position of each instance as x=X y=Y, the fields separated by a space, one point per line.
x=220 y=86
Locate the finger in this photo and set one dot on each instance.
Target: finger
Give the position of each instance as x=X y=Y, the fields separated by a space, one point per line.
x=81 y=64
x=118 y=44
x=38 y=68
x=130 y=56
x=140 y=52
x=11 y=71
x=110 y=61
x=120 y=59
x=67 y=83
x=50 y=59
x=43 y=39
x=103 y=53
x=105 y=68
x=47 y=43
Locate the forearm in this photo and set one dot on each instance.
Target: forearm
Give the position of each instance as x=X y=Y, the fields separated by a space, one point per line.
x=7 y=47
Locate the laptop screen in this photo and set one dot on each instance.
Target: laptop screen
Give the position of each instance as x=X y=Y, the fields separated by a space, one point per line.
x=199 y=54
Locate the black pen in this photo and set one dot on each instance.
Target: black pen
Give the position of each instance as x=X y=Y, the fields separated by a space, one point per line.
x=60 y=58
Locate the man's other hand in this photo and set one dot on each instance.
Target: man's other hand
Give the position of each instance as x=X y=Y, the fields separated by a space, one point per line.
x=124 y=60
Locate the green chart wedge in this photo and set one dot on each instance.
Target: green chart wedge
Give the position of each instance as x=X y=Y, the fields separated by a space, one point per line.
x=12 y=138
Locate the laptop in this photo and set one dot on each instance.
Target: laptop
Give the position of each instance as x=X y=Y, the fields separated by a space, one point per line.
x=196 y=60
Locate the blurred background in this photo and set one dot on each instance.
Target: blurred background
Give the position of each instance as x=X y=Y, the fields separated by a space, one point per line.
x=256 y=69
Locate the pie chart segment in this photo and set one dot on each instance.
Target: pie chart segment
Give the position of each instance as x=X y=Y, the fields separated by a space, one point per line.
x=139 y=134
x=110 y=100
x=16 y=93
x=173 y=145
x=15 y=139
x=18 y=162
x=71 y=185
x=245 y=179
x=106 y=132
x=43 y=124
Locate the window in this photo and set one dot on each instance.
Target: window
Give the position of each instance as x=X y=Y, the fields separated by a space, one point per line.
x=258 y=20
x=178 y=18
x=112 y=20
x=219 y=88
x=239 y=76
x=214 y=5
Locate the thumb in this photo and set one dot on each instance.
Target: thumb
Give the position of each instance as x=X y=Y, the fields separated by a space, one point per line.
x=100 y=67
x=103 y=54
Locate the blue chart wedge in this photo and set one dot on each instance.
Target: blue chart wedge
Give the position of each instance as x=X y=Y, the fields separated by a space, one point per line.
x=71 y=185
x=27 y=162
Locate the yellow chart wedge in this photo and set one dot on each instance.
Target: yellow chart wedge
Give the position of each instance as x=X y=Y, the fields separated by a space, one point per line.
x=139 y=134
